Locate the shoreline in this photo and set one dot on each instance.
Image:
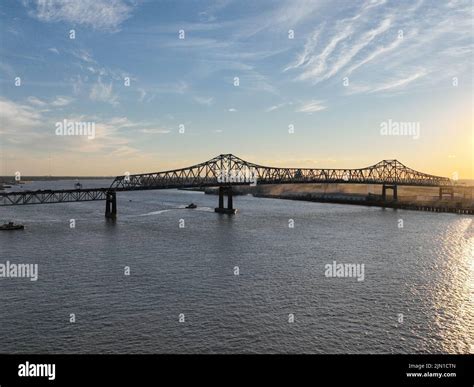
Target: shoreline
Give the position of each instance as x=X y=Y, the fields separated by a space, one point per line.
x=364 y=201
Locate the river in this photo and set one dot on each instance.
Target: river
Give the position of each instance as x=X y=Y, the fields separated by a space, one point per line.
x=201 y=282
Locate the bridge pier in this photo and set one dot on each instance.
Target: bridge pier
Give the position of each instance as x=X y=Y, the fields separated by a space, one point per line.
x=230 y=203
x=446 y=190
x=111 y=205
x=393 y=187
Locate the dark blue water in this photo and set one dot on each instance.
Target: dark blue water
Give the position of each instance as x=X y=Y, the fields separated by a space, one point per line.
x=422 y=273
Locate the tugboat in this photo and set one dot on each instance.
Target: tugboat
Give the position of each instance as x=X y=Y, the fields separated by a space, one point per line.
x=192 y=205
x=11 y=226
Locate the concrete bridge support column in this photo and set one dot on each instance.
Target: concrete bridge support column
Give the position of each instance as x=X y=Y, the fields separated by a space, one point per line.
x=221 y=197
x=230 y=203
x=446 y=190
x=393 y=187
x=111 y=205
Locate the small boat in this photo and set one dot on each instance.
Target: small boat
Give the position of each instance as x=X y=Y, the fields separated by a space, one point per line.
x=192 y=205
x=11 y=226
x=78 y=185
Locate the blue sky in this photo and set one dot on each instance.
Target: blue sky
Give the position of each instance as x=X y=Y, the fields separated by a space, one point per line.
x=350 y=66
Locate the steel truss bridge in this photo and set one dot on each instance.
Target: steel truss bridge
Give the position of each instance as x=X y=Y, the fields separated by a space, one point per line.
x=227 y=170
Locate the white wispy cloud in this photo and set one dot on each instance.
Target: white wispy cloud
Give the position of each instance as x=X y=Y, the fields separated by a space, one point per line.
x=90 y=65
x=377 y=52
x=380 y=39
x=33 y=126
x=59 y=101
x=111 y=136
x=275 y=107
x=114 y=135
x=253 y=80
x=155 y=131
x=36 y=101
x=83 y=55
x=210 y=12
x=16 y=117
x=147 y=92
x=97 y=14
x=350 y=52
x=308 y=49
x=228 y=48
x=284 y=13
x=103 y=92
x=318 y=64
x=344 y=40
x=397 y=83
x=373 y=3
x=393 y=84
x=311 y=107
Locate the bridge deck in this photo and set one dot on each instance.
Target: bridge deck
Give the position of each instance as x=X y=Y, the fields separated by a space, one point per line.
x=13 y=198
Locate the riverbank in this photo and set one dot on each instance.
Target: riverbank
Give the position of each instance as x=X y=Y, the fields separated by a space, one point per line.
x=441 y=206
x=409 y=198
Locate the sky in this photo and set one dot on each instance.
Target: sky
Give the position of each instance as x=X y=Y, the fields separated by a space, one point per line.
x=292 y=83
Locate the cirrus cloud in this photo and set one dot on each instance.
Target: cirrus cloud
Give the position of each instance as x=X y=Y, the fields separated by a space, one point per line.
x=98 y=14
x=311 y=107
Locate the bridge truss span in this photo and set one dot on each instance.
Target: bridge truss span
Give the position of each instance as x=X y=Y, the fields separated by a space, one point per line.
x=227 y=169
x=52 y=196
